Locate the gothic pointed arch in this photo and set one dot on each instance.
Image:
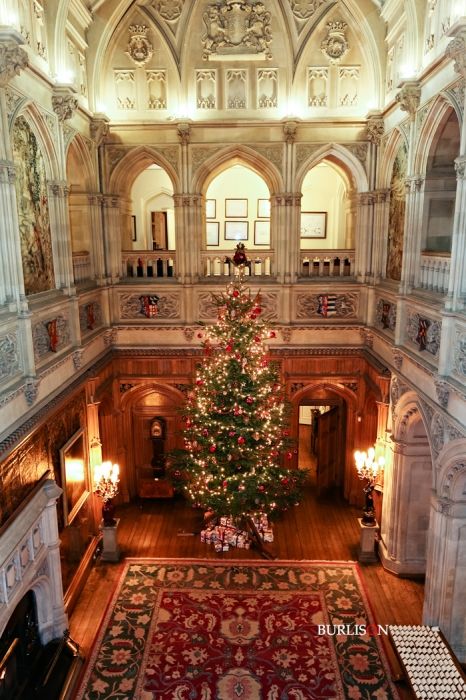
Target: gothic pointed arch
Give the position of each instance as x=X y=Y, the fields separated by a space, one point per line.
x=341 y=156
x=244 y=155
x=440 y=111
x=134 y=162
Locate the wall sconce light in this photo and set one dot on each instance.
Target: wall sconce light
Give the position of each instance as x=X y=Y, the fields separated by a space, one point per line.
x=369 y=469
x=106 y=480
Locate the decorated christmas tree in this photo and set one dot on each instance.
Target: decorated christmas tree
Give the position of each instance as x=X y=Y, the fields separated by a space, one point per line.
x=236 y=440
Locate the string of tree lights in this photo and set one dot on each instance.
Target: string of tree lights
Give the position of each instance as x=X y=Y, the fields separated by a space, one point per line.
x=236 y=438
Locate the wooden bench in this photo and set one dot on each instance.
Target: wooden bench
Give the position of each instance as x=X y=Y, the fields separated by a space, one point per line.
x=428 y=662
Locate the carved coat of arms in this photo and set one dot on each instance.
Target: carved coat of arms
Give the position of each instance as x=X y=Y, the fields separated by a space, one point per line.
x=236 y=27
x=335 y=45
x=139 y=48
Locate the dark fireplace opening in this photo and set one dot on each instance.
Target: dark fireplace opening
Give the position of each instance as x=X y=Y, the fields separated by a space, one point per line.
x=29 y=669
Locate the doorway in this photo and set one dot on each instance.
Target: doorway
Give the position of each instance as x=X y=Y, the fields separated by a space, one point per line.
x=321 y=443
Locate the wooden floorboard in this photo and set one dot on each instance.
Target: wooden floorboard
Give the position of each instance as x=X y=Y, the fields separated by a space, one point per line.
x=320 y=528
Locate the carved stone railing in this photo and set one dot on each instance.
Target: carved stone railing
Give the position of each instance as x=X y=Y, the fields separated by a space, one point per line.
x=217 y=264
x=145 y=264
x=82 y=267
x=326 y=263
x=435 y=272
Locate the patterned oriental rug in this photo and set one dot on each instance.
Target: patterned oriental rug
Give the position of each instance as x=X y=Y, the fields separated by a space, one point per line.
x=237 y=630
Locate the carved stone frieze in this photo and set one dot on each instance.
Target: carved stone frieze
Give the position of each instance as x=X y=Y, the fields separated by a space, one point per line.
x=442 y=390
x=385 y=314
x=199 y=154
x=424 y=332
x=450 y=477
x=409 y=97
x=304 y=151
x=335 y=45
x=9 y=356
x=43 y=341
x=172 y=155
x=31 y=389
x=459 y=361
x=207 y=309
x=78 y=357
x=437 y=432
x=64 y=104
x=68 y=135
x=359 y=150
x=13 y=59
x=139 y=48
x=114 y=154
x=375 y=128
x=272 y=153
x=132 y=306
x=235 y=28
x=327 y=305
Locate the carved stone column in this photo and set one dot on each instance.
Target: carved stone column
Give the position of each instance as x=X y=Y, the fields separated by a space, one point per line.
x=364 y=230
x=408 y=99
x=112 y=237
x=97 y=238
x=184 y=134
x=380 y=225
x=188 y=222
x=61 y=236
x=445 y=591
x=13 y=59
x=285 y=219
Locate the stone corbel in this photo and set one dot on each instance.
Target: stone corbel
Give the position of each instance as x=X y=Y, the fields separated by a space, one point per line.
x=456 y=49
x=64 y=103
x=183 y=130
x=99 y=128
x=375 y=128
x=13 y=58
x=289 y=131
x=409 y=97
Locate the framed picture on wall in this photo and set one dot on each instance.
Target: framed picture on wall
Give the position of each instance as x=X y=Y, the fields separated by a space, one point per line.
x=262 y=233
x=212 y=233
x=236 y=230
x=74 y=479
x=313 y=224
x=210 y=208
x=263 y=208
x=236 y=208
x=134 y=233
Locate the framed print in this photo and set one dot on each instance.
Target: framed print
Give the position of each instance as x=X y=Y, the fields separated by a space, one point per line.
x=134 y=233
x=313 y=224
x=236 y=230
x=262 y=233
x=263 y=208
x=210 y=208
x=236 y=208
x=73 y=463
x=212 y=233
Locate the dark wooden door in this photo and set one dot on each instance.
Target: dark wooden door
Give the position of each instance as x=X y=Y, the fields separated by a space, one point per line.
x=328 y=450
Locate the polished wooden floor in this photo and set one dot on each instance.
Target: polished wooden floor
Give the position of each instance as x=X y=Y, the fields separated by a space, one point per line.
x=318 y=529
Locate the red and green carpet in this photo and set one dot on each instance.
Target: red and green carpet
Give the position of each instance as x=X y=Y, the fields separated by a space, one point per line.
x=234 y=630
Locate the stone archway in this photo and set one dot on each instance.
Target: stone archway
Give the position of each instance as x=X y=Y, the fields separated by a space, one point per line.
x=407 y=489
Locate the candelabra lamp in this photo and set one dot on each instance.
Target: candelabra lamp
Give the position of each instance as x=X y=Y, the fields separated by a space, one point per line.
x=106 y=479
x=368 y=469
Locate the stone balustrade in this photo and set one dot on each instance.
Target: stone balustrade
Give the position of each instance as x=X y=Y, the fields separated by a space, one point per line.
x=327 y=263
x=215 y=265
x=82 y=269
x=146 y=264
x=435 y=272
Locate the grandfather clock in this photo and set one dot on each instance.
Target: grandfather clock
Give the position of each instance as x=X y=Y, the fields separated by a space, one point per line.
x=158 y=429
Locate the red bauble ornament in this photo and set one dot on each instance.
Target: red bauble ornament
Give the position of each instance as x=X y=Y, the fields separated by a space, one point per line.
x=205 y=432
x=212 y=448
x=257 y=339
x=241 y=440
x=199 y=382
x=289 y=455
x=249 y=399
x=284 y=481
x=199 y=335
x=236 y=293
x=257 y=310
x=225 y=484
x=272 y=334
x=231 y=433
x=188 y=423
x=228 y=348
x=264 y=363
x=261 y=487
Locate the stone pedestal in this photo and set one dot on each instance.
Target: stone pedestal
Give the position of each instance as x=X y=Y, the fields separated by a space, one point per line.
x=367 y=542
x=110 y=549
